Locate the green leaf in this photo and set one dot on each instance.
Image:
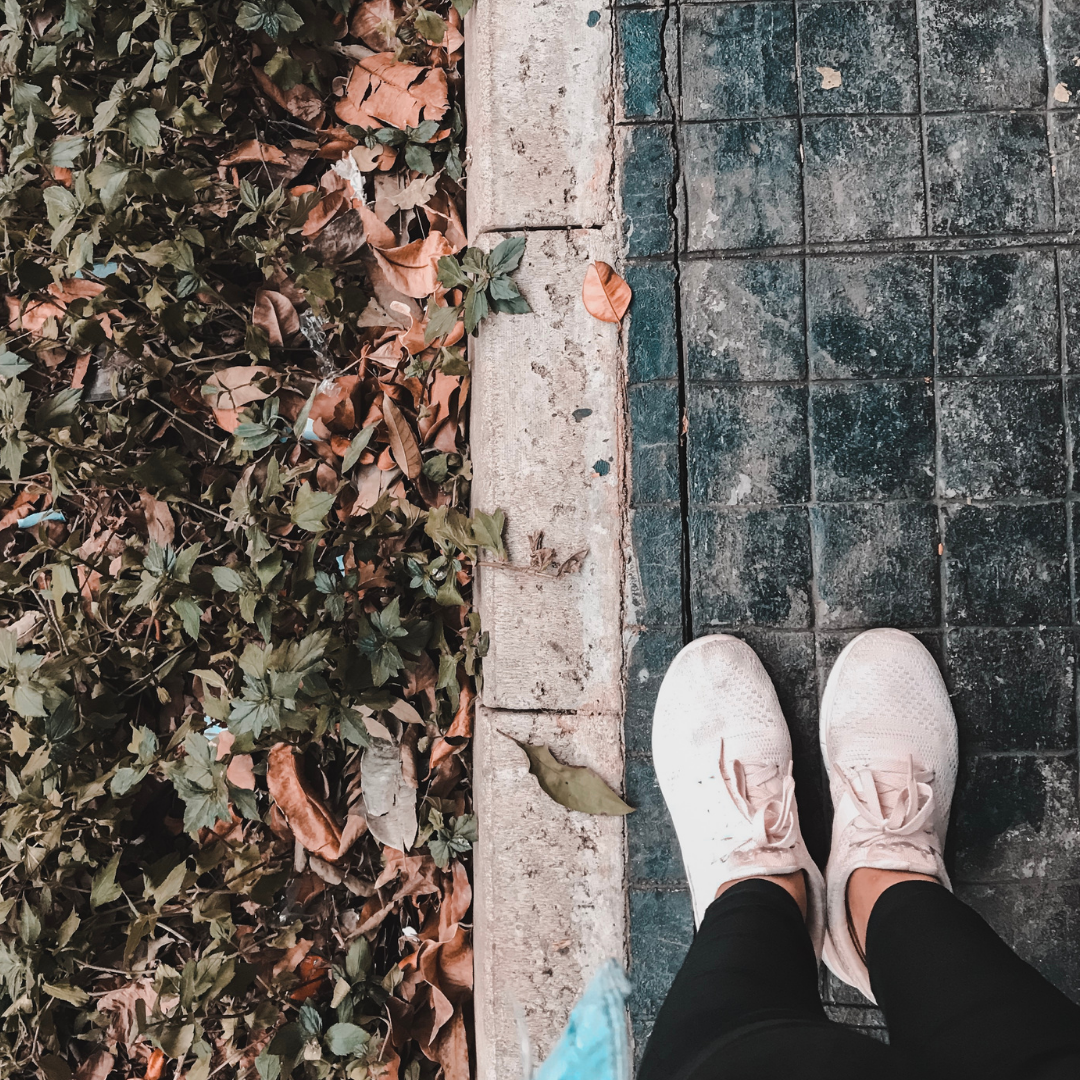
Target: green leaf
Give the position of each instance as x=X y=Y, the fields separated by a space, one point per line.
x=430 y=26
x=190 y=616
x=488 y=529
x=574 y=786
x=225 y=577
x=103 y=889
x=346 y=1039
x=441 y=320
x=143 y=128
x=450 y=274
x=356 y=448
x=507 y=256
x=273 y=17
x=73 y=995
x=311 y=507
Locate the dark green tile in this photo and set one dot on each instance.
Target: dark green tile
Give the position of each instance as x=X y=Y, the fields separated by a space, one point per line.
x=1039 y=920
x=654 y=457
x=661 y=930
x=870 y=316
x=983 y=55
x=874 y=48
x=1006 y=565
x=1070 y=291
x=748 y=444
x=1014 y=689
x=1016 y=818
x=745 y=190
x=651 y=653
x=1064 y=42
x=872 y=440
x=1072 y=390
x=1065 y=138
x=998 y=314
x=834 y=992
x=876 y=565
x=989 y=173
x=1001 y=438
x=749 y=567
x=641 y=52
x=656 y=587
x=648 y=167
x=652 y=846
x=743 y=318
x=738 y=61
x=652 y=345
x=864 y=178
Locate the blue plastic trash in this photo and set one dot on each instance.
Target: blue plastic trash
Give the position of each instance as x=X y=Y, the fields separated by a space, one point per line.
x=595 y=1044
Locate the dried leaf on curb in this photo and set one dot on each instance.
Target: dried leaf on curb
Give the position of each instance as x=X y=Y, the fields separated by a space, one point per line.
x=576 y=787
x=605 y=294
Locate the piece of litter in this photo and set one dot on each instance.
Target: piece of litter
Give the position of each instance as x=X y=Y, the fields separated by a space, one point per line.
x=1061 y=92
x=830 y=78
x=31 y=520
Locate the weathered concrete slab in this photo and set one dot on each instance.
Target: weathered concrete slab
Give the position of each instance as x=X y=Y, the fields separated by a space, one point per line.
x=547 y=447
x=538 y=97
x=549 y=890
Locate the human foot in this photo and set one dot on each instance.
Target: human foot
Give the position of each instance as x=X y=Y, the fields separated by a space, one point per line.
x=888 y=737
x=722 y=755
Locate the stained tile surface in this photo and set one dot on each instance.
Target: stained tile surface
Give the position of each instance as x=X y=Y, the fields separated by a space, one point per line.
x=853 y=234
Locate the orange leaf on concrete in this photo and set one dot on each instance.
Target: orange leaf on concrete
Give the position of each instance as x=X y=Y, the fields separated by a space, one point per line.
x=308 y=818
x=605 y=294
x=412 y=268
x=403 y=443
x=275 y=314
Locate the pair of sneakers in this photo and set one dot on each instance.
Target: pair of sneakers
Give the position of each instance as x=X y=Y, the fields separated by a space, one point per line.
x=722 y=754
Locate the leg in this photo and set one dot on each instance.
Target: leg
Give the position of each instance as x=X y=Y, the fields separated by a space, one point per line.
x=957 y=999
x=750 y=980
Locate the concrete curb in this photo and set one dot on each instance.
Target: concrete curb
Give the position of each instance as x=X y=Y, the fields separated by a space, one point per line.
x=548 y=447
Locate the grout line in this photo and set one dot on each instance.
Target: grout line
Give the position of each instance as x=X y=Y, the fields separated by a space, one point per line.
x=989 y=110
x=1049 y=109
x=674 y=202
x=939 y=473
x=919 y=77
x=1070 y=446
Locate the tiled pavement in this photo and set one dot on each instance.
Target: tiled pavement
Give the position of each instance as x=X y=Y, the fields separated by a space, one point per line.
x=854 y=240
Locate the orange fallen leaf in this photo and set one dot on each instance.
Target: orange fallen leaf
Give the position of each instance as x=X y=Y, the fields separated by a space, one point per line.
x=159 y=520
x=274 y=313
x=308 y=818
x=378 y=235
x=403 y=443
x=155 y=1066
x=241 y=772
x=605 y=294
x=301 y=101
x=412 y=268
x=238 y=388
x=253 y=150
x=374 y=23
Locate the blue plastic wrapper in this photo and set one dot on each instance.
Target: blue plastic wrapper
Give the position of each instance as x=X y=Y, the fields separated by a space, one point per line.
x=595 y=1044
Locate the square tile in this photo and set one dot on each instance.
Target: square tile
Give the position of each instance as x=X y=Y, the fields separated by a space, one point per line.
x=647 y=183
x=749 y=568
x=872 y=440
x=652 y=350
x=859 y=56
x=652 y=846
x=998 y=314
x=743 y=318
x=1039 y=920
x=651 y=652
x=1014 y=689
x=870 y=316
x=656 y=575
x=744 y=189
x=876 y=565
x=642 y=53
x=748 y=444
x=1064 y=53
x=1016 y=819
x=661 y=930
x=1065 y=139
x=654 y=457
x=1006 y=565
x=864 y=178
x=1001 y=438
x=989 y=173
x=738 y=61
x=983 y=55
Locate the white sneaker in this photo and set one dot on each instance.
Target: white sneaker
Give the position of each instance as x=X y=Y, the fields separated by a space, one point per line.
x=722 y=754
x=888 y=737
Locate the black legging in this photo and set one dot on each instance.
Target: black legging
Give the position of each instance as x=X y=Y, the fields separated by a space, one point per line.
x=958 y=1002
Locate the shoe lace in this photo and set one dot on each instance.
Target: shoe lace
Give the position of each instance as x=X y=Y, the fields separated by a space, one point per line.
x=767 y=806
x=896 y=805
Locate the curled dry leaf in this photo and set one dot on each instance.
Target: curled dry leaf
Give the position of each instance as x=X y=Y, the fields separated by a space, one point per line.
x=388 y=799
x=160 y=526
x=156 y=1065
x=605 y=294
x=252 y=151
x=412 y=268
x=574 y=786
x=403 y=443
x=310 y=821
x=274 y=313
x=237 y=386
x=374 y=23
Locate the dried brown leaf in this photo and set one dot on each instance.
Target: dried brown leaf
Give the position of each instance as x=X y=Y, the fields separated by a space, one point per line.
x=310 y=821
x=403 y=443
x=605 y=294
